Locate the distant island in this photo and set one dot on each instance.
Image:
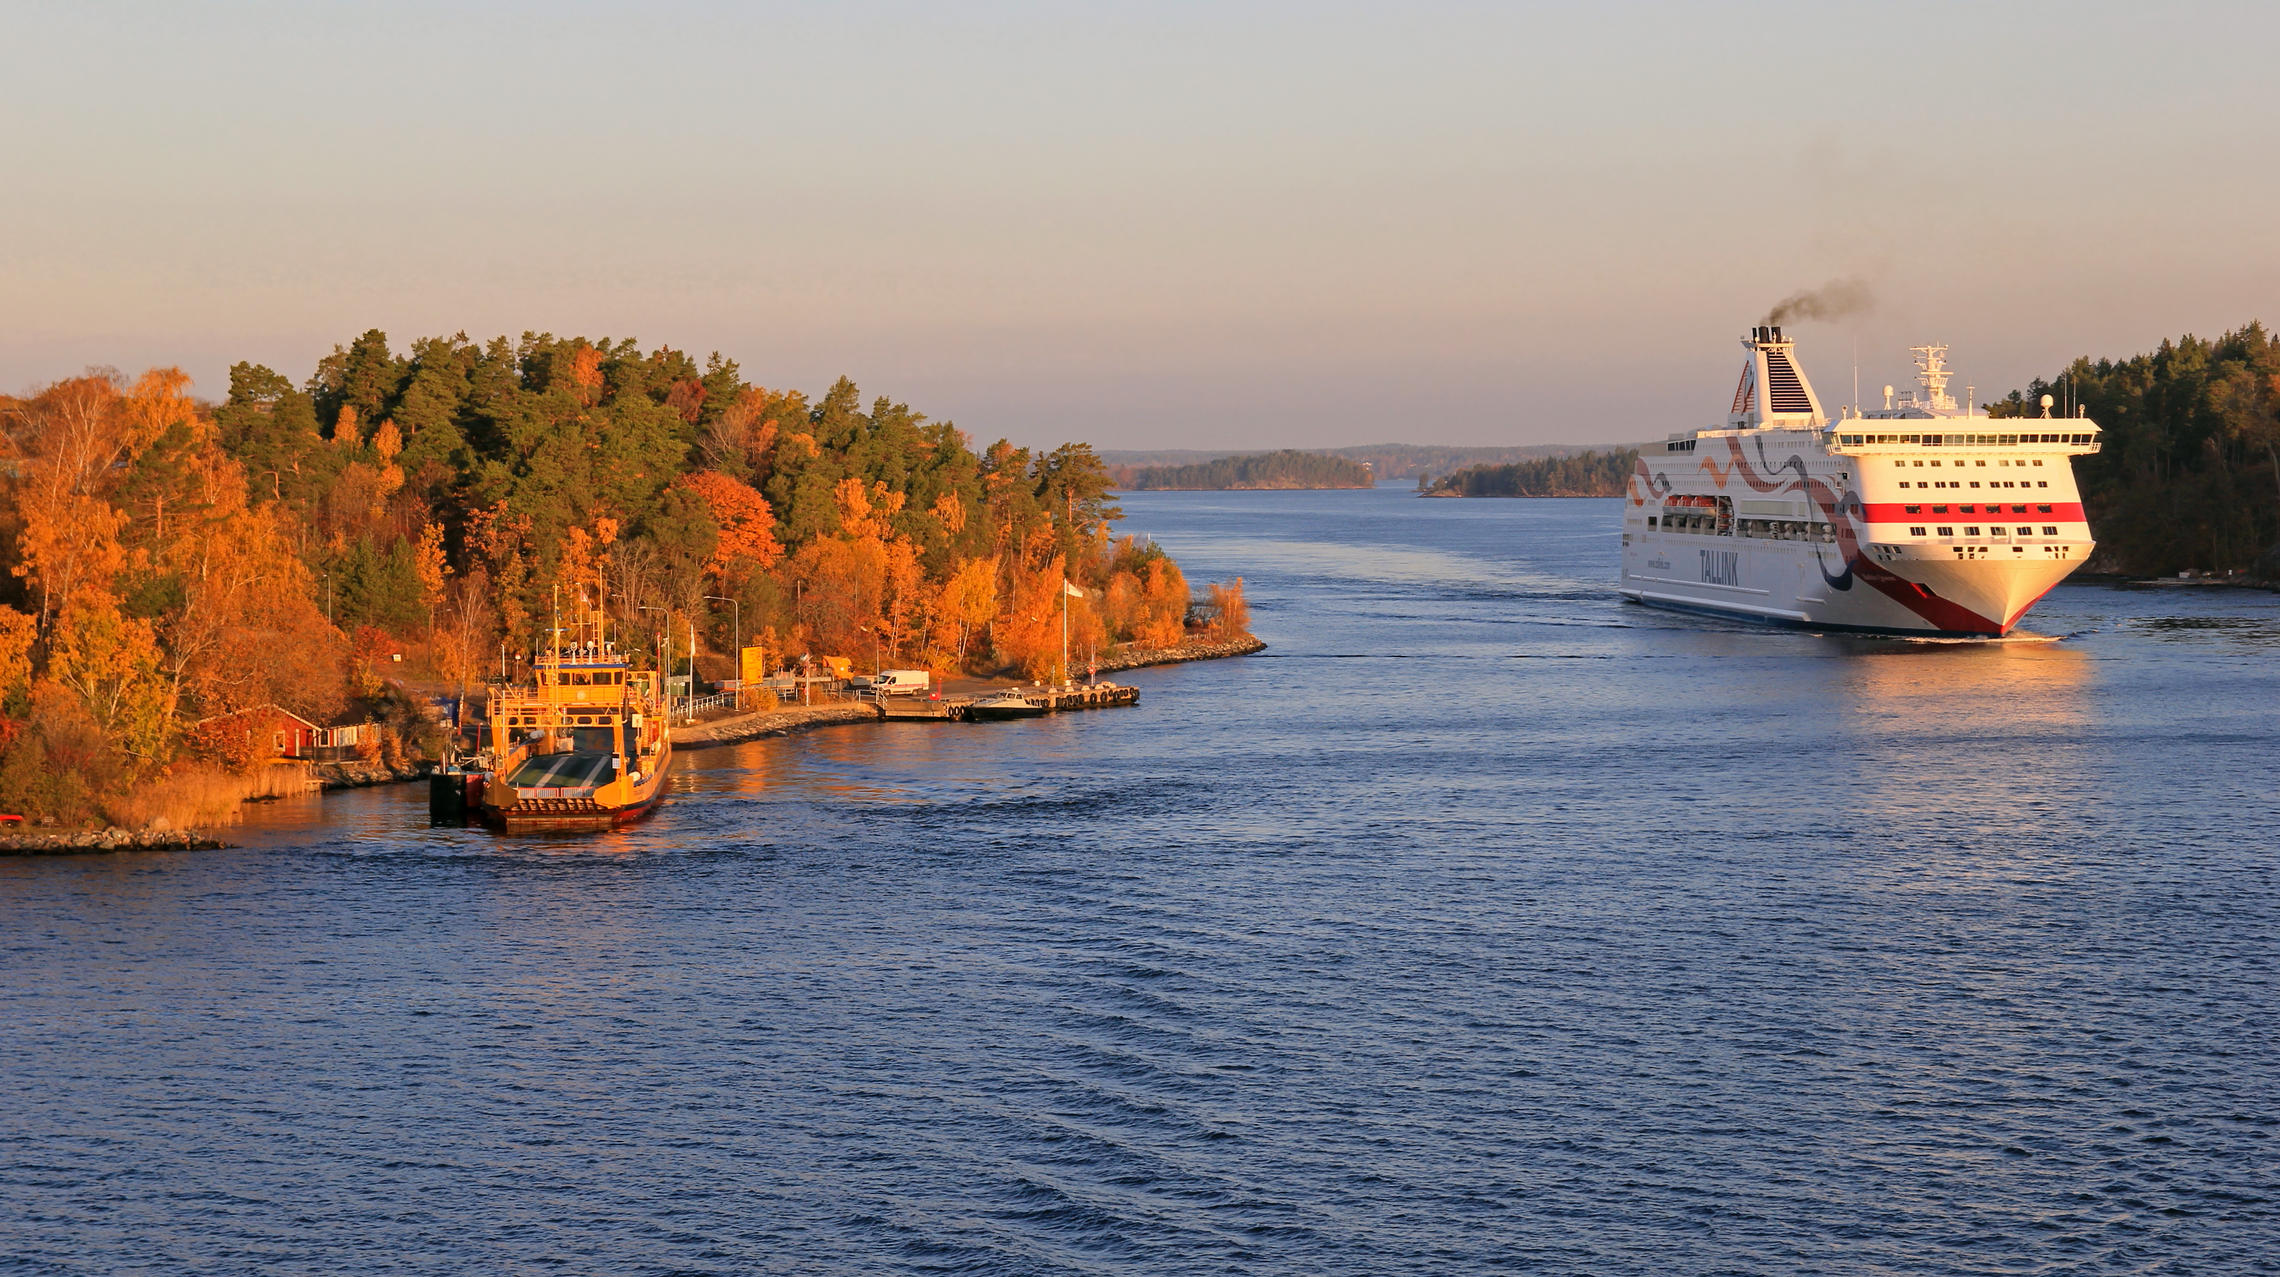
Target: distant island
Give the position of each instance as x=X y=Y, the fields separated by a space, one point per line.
x=1385 y=460
x=1288 y=468
x=1583 y=474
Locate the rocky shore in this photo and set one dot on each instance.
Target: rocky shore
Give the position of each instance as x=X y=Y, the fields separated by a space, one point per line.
x=1139 y=658
x=775 y=722
x=359 y=775
x=65 y=844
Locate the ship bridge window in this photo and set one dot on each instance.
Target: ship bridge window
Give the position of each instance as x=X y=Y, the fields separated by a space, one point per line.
x=2050 y=530
x=1971 y=531
x=1946 y=531
x=1915 y=532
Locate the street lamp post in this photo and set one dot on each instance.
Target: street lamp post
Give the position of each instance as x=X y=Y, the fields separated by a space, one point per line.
x=664 y=667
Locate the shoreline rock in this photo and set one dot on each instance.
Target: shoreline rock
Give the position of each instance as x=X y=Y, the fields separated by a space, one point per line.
x=1141 y=658
x=113 y=839
x=330 y=776
x=773 y=722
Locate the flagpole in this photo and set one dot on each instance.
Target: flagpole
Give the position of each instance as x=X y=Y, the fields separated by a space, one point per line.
x=1064 y=633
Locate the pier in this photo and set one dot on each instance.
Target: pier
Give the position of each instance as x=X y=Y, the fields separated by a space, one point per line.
x=1053 y=700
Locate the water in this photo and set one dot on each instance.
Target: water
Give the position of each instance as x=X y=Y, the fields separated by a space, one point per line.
x=1485 y=922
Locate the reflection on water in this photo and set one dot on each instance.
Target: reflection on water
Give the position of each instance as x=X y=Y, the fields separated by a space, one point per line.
x=1485 y=922
x=1910 y=689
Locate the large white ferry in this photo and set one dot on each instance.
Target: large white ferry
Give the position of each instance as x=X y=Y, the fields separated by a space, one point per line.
x=1919 y=518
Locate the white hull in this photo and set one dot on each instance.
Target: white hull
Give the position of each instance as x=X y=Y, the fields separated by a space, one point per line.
x=1811 y=585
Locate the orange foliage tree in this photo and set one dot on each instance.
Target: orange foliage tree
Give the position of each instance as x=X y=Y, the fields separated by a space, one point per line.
x=747 y=525
x=1234 y=615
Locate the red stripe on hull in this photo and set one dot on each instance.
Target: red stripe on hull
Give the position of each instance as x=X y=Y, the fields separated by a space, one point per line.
x=1898 y=512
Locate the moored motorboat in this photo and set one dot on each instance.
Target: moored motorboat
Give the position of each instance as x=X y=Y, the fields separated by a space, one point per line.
x=1005 y=704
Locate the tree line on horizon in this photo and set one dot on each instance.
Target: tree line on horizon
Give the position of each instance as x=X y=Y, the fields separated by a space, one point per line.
x=1285 y=468
x=171 y=560
x=1581 y=474
x=2187 y=475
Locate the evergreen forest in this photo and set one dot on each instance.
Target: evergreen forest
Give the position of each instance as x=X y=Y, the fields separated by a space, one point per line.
x=2187 y=475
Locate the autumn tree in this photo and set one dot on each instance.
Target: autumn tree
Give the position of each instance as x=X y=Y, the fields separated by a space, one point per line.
x=969 y=601
x=747 y=526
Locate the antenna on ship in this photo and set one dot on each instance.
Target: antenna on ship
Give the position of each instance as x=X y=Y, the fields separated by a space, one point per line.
x=1932 y=371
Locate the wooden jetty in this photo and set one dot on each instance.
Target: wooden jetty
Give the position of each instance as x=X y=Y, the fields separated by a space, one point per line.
x=1056 y=700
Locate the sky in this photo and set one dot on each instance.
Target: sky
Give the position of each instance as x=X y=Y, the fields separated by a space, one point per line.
x=1162 y=225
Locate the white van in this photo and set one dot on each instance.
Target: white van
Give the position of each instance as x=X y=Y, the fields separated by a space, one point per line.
x=901 y=683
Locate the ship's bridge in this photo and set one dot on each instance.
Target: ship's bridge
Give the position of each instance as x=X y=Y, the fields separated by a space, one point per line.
x=1929 y=417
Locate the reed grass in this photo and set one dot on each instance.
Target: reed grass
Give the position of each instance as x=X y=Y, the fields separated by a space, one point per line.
x=203 y=797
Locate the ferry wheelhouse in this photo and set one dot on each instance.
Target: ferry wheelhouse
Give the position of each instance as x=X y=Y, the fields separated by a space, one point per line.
x=583 y=747
x=1921 y=517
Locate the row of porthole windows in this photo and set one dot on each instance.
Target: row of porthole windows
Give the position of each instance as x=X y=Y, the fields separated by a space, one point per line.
x=1972 y=530
x=1961 y=441
x=574 y=720
x=583 y=678
x=1992 y=483
x=1966 y=509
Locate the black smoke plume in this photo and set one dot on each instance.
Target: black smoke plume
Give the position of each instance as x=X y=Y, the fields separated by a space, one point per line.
x=1833 y=300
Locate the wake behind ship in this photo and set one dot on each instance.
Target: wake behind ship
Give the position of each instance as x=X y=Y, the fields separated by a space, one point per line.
x=1919 y=518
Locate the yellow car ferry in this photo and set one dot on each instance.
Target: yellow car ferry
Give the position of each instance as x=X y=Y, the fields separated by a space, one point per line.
x=584 y=748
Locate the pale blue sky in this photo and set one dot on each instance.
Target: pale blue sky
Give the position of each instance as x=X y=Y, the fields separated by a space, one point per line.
x=1150 y=225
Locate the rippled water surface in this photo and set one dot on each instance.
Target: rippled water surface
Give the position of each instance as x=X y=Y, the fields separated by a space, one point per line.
x=1485 y=922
